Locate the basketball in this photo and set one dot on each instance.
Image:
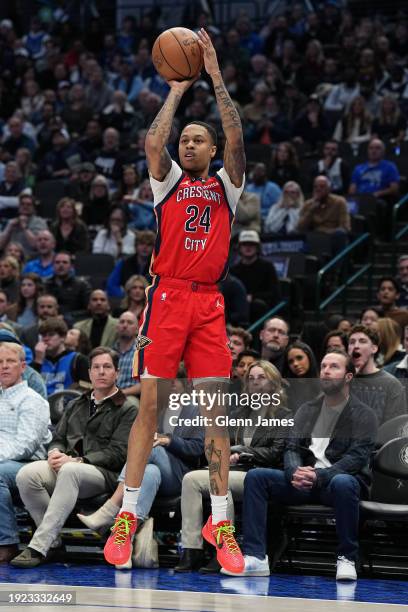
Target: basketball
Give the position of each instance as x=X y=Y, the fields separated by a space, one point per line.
x=177 y=55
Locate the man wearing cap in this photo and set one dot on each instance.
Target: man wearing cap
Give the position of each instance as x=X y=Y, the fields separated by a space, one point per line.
x=24 y=434
x=25 y=227
x=257 y=274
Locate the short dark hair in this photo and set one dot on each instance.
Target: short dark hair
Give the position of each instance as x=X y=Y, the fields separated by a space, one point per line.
x=208 y=127
x=248 y=353
x=390 y=279
x=367 y=331
x=104 y=350
x=350 y=367
x=53 y=325
x=335 y=333
x=242 y=333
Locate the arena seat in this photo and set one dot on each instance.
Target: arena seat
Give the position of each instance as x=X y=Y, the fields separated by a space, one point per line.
x=94 y=266
x=58 y=401
x=48 y=193
x=394 y=428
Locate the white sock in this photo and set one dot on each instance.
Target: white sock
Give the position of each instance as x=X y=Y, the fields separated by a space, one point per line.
x=219 y=508
x=130 y=497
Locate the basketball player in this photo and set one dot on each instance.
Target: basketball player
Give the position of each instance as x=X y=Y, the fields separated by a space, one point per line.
x=184 y=316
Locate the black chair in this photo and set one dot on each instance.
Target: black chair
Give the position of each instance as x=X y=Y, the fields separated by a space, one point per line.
x=58 y=402
x=49 y=193
x=394 y=428
x=95 y=266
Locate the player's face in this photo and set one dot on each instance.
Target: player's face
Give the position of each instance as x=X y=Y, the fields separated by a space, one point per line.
x=196 y=149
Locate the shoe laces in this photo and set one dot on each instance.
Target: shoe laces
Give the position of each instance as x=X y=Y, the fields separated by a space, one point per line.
x=345 y=560
x=121 y=528
x=226 y=533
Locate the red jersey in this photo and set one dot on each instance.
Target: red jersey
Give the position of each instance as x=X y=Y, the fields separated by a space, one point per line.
x=194 y=218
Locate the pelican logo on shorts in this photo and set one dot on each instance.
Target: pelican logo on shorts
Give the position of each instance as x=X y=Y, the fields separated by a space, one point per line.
x=403 y=455
x=142 y=342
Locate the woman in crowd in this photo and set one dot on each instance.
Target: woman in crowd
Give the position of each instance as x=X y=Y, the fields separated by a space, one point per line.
x=71 y=234
x=390 y=348
x=129 y=186
x=285 y=164
x=301 y=372
x=77 y=340
x=31 y=287
x=28 y=170
x=14 y=249
x=370 y=317
x=135 y=295
x=283 y=217
x=115 y=239
x=355 y=126
x=390 y=125
x=96 y=208
x=10 y=278
x=251 y=446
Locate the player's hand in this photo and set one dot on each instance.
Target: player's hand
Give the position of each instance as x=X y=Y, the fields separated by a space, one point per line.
x=210 y=55
x=181 y=87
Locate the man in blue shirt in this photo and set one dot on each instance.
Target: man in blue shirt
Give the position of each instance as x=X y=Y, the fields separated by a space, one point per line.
x=377 y=175
x=268 y=191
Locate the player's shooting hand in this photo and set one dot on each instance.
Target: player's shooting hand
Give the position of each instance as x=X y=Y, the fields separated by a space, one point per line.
x=181 y=87
x=210 y=55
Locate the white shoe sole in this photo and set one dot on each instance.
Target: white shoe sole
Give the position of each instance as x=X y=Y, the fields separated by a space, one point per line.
x=254 y=573
x=346 y=577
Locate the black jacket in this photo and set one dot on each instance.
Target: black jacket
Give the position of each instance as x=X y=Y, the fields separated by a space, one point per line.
x=72 y=295
x=351 y=444
x=101 y=439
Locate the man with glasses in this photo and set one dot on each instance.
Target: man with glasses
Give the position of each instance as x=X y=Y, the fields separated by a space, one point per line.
x=274 y=338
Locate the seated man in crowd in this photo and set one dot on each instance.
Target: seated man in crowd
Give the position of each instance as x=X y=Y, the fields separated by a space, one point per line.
x=334 y=167
x=71 y=292
x=101 y=327
x=60 y=367
x=126 y=347
x=139 y=263
x=25 y=227
x=268 y=191
x=377 y=388
x=326 y=212
x=274 y=337
x=24 y=434
x=34 y=379
x=46 y=307
x=86 y=454
x=326 y=461
x=239 y=340
x=44 y=264
x=257 y=274
x=377 y=175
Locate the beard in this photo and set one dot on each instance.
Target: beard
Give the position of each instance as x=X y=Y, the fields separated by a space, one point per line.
x=332 y=386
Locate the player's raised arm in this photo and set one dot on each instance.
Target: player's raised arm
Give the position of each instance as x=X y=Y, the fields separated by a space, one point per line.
x=158 y=158
x=234 y=153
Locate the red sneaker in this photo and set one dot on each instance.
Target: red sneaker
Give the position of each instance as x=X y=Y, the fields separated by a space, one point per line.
x=221 y=535
x=118 y=547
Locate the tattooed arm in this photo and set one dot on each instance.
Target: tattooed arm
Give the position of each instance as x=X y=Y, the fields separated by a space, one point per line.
x=158 y=158
x=234 y=152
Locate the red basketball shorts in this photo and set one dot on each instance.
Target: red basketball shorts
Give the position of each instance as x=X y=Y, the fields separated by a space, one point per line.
x=184 y=321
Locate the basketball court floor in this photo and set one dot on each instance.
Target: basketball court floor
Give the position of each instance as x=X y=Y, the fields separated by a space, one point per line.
x=101 y=588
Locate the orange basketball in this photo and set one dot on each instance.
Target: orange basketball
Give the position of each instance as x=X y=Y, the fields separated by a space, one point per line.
x=177 y=55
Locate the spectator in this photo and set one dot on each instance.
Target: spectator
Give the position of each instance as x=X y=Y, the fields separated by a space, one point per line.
x=399 y=369
x=96 y=209
x=310 y=73
x=310 y=126
x=60 y=161
x=377 y=175
x=33 y=378
x=115 y=239
x=403 y=281
x=129 y=85
x=100 y=327
x=262 y=446
x=285 y=164
x=14 y=249
x=274 y=125
x=77 y=340
x=35 y=40
x=135 y=296
x=244 y=360
x=10 y=188
x=31 y=287
x=325 y=212
x=283 y=217
x=370 y=317
x=355 y=126
x=334 y=167
x=381 y=391
x=71 y=292
x=76 y=112
x=9 y=278
x=128 y=186
x=26 y=167
x=268 y=192
x=390 y=125
x=389 y=349
x=238 y=340
x=138 y=263
x=91 y=142
x=81 y=181
x=32 y=99
x=341 y=95
x=174 y=455
x=24 y=435
x=328 y=462
x=25 y=227
x=7 y=313
x=335 y=339
x=388 y=294
x=47 y=307
x=274 y=338
x=254 y=111
x=60 y=367
x=141 y=208
x=44 y=264
x=98 y=94
x=77 y=469
x=108 y=161
x=17 y=139
x=125 y=346
x=70 y=233
x=235 y=300
x=300 y=371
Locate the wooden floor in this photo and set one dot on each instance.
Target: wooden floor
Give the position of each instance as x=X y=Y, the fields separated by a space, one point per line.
x=100 y=599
